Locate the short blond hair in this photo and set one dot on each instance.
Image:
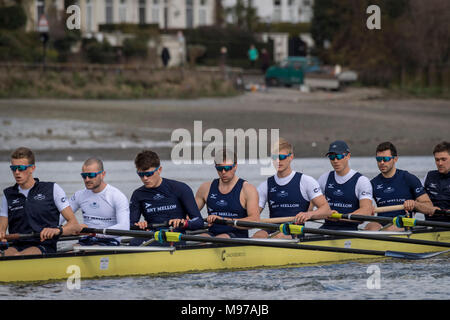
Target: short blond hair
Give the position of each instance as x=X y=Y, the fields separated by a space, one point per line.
x=282 y=144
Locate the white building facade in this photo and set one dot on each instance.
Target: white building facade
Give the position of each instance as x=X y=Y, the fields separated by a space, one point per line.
x=272 y=11
x=167 y=14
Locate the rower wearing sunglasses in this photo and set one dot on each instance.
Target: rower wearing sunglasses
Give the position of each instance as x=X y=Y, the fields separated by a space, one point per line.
x=437 y=183
x=346 y=190
x=103 y=205
x=290 y=193
x=34 y=206
x=161 y=200
x=228 y=197
x=395 y=187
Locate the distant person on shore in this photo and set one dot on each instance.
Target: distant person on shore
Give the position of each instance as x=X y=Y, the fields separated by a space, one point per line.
x=347 y=191
x=253 y=55
x=265 y=60
x=103 y=206
x=395 y=187
x=437 y=183
x=161 y=200
x=223 y=61
x=33 y=206
x=228 y=198
x=290 y=193
x=165 y=57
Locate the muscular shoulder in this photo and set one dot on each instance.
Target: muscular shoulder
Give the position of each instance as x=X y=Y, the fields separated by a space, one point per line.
x=203 y=190
x=248 y=187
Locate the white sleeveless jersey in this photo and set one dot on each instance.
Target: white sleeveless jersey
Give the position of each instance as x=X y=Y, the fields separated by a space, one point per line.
x=309 y=187
x=106 y=209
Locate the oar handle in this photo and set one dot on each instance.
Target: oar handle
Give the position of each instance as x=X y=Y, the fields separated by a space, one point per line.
x=278 y=220
x=290 y=219
x=390 y=208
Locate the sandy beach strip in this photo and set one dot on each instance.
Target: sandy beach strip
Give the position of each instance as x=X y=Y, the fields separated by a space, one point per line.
x=117 y=129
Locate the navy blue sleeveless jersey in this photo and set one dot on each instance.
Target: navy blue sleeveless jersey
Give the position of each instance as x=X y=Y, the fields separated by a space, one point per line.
x=343 y=199
x=287 y=200
x=226 y=206
x=437 y=186
x=395 y=190
x=33 y=213
x=170 y=200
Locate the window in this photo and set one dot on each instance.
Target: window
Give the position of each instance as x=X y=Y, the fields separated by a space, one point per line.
x=277 y=10
x=155 y=11
x=123 y=11
x=202 y=13
x=109 y=9
x=40 y=9
x=142 y=11
x=89 y=16
x=189 y=14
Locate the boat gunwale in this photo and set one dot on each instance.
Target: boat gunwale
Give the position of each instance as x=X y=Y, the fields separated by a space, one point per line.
x=303 y=239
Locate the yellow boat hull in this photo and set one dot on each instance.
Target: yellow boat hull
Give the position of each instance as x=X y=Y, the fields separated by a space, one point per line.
x=199 y=259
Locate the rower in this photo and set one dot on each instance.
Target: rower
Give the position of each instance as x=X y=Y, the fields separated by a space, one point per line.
x=103 y=205
x=290 y=193
x=161 y=200
x=346 y=190
x=395 y=187
x=437 y=183
x=228 y=197
x=33 y=206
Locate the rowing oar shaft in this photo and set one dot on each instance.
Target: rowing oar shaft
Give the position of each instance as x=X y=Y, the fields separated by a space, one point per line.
x=399 y=221
x=175 y=236
x=31 y=236
x=290 y=219
x=297 y=229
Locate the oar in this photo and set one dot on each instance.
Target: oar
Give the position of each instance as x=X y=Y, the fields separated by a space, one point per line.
x=36 y=235
x=300 y=230
x=399 y=221
x=377 y=210
x=290 y=219
x=176 y=236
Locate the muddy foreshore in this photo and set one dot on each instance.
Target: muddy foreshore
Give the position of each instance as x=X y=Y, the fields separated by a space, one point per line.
x=118 y=129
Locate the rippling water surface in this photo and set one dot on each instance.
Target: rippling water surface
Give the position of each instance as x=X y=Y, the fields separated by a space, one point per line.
x=399 y=279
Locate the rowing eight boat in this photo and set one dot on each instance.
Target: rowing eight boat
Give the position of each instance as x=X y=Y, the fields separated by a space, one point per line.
x=126 y=261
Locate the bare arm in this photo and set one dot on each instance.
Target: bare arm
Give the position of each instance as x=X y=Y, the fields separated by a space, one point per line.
x=72 y=226
x=251 y=202
x=365 y=207
x=202 y=194
x=3 y=227
x=323 y=210
x=421 y=204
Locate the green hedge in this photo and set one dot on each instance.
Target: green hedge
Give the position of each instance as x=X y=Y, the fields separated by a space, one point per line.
x=12 y=18
x=20 y=46
x=236 y=40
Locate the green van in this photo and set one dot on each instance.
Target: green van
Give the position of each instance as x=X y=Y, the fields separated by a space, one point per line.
x=291 y=71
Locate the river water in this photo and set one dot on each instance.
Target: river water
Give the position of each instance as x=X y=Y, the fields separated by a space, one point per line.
x=399 y=279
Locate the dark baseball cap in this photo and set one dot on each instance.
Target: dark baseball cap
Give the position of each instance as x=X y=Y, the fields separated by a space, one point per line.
x=338 y=146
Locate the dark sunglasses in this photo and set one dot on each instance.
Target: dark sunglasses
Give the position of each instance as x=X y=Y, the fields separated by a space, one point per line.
x=91 y=175
x=146 y=173
x=385 y=159
x=226 y=168
x=337 y=156
x=20 y=167
x=280 y=156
